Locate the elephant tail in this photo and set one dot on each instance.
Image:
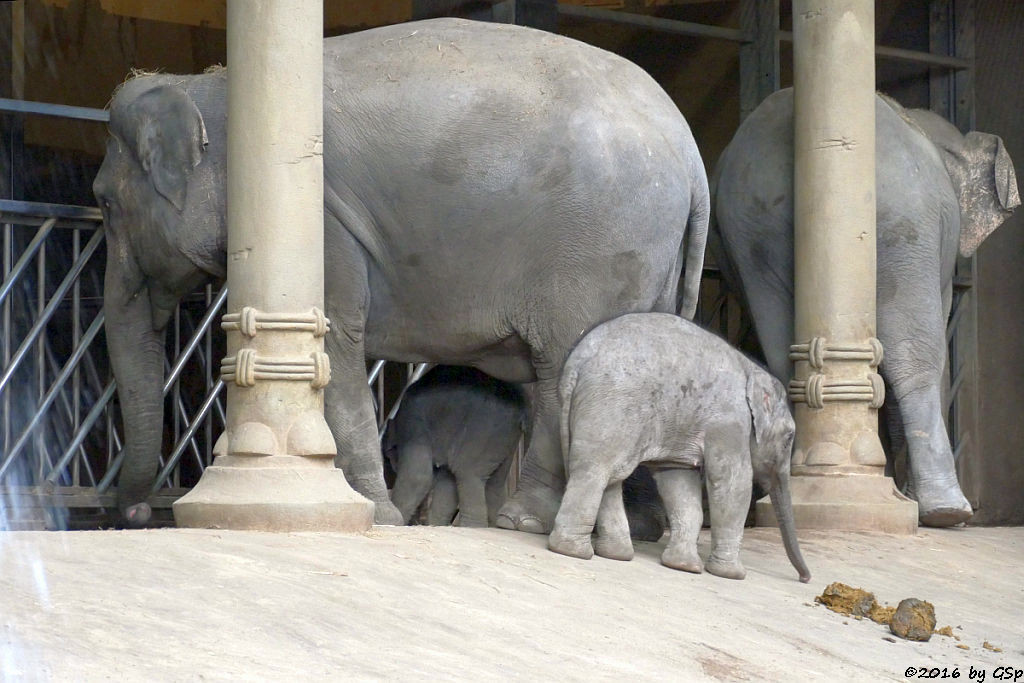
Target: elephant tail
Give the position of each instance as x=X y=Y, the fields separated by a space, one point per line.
x=693 y=245
x=566 y=389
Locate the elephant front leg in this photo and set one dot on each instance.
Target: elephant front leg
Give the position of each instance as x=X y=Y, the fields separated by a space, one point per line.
x=729 y=476
x=414 y=479
x=444 y=499
x=917 y=391
x=680 y=490
x=613 y=526
x=535 y=503
x=348 y=408
x=472 y=501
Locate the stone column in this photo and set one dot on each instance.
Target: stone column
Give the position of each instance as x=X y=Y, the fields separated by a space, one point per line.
x=274 y=466
x=838 y=464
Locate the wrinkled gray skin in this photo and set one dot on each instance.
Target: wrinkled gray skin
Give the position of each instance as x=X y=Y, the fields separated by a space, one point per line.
x=490 y=192
x=937 y=190
x=656 y=390
x=461 y=421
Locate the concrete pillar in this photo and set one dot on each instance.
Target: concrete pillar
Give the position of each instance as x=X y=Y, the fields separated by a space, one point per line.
x=274 y=466
x=838 y=464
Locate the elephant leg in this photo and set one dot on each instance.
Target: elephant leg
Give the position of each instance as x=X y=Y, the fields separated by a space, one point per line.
x=535 y=502
x=472 y=500
x=681 y=492
x=413 y=480
x=444 y=499
x=578 y=513
x=348 y=405
x=613 y=526
x=497 y=490
x=729 y=477
x=913 y=366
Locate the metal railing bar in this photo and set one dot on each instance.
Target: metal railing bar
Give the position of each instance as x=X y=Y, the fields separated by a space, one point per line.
x=961 y=304
x=14 y=209
x=372 y=376
x=69 y=414
x=66 y=372
x=65 y=111
x=76 y=332
x=47 y=312
x=682 y=28
x=190 y=431
x=181 y=413
x=7 y=336
x=414 y=376
x=83 y=431
x=26 y=256
x=194 y=341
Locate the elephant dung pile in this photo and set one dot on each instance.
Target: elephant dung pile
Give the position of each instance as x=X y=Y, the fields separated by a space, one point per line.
x=854 y=602
x=913 y=619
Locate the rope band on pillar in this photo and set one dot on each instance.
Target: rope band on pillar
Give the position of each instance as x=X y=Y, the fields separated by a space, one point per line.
x=246 y=368
x=249 y=320
x=817 y=390
x=817 y=351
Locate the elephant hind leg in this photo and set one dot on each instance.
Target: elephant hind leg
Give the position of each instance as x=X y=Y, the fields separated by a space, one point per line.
x=444 y=499
x=612 y=526
x=578 y=513
x=535 y=503
x=681 y=492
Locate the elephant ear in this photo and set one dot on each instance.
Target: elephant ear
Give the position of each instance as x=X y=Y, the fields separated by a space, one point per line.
x=983 y=175
x=169 y=139
x=760 y=400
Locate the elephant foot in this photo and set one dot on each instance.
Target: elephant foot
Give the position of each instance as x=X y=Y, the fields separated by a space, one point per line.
x=945 y=516
x=530 y=511
x=942 y=509
x=644 y=523
x=727 y=570
x=138 y=515
x=614 y=548
x=386 y=514
x=573 y=546
x=683 y=559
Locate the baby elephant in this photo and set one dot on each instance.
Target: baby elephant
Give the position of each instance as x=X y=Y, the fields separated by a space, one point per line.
x=463 y=421
x=652 y=388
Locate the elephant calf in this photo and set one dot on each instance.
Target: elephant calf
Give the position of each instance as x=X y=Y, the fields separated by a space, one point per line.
x=455 y=423
x=652 y=388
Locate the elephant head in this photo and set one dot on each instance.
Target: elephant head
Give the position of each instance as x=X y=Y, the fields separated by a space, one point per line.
x=160 y=189
x=771 y=448
x=981 y=171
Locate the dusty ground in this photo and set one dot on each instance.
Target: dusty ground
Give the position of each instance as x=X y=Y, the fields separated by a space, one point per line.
x=420 y=604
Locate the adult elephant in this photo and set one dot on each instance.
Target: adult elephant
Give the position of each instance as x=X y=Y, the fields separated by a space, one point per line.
x=490 y=193
x=937 y=191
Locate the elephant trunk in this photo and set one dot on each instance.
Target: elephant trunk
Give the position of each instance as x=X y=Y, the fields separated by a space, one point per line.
x=783 y=505
x=137 y=355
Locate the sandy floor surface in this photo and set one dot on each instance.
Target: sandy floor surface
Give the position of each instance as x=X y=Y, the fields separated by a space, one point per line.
x=421 y=603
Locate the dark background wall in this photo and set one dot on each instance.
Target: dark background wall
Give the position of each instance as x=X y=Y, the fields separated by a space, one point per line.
x=999 y=99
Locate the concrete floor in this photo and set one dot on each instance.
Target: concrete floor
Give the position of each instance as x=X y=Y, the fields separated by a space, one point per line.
x=420 y=603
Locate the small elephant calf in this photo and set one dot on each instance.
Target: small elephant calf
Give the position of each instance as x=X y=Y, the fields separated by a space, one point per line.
x=654 y=389
x=456 y=432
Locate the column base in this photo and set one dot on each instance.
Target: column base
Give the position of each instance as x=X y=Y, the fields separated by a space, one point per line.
x=845 y=503
x=274 y=499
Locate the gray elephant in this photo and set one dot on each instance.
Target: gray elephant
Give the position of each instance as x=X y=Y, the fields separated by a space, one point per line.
x=458 y=420
x=490 y=191
x=937 y=190
x=655 y=390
